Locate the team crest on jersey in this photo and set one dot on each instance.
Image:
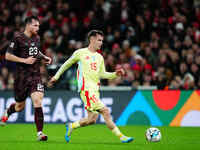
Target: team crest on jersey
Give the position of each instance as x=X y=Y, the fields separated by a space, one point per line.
x=12 y=44
x=33 y=44
x=87 y=57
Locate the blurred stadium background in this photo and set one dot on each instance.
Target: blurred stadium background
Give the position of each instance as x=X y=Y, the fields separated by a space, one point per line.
x=156 y=41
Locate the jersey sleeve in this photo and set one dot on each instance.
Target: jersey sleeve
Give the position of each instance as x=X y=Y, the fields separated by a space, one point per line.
x=12 y=46
x=104 y=74
x=39 y=45
x=73 y=59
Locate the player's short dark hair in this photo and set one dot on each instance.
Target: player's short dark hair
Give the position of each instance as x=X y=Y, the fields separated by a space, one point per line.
x=94 y=33
x=29 y=19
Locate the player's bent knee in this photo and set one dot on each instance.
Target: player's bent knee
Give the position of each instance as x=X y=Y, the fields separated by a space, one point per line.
x=19 y=107
x=37 y=103
x=92 y=121
x=106 y=113
x=37 y=99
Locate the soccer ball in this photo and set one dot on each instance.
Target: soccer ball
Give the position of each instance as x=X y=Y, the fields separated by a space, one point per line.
x=153 y=134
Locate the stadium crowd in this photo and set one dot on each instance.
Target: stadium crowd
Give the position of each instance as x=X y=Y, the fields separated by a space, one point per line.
x=157 y=42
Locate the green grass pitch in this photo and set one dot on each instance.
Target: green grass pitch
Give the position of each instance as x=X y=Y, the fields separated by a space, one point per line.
x=96 y=137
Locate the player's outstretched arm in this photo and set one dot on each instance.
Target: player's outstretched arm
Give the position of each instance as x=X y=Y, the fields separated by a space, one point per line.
x=12 y=57
x=120 y=72
x=104 y=74
x=112 y=75
x=73 y=59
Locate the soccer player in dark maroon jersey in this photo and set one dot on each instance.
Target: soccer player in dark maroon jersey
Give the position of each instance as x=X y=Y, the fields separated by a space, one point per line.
x=24 y=49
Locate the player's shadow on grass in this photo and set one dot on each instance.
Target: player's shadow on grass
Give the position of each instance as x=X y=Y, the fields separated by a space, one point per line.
x=62 y=142
x=16 y=141
x=101 y=143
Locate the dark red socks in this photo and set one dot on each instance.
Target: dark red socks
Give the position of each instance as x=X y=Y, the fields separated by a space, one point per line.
x=39 y=118
x=11 y=109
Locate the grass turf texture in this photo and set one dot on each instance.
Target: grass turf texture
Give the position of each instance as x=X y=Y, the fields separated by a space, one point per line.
x=96 y=137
